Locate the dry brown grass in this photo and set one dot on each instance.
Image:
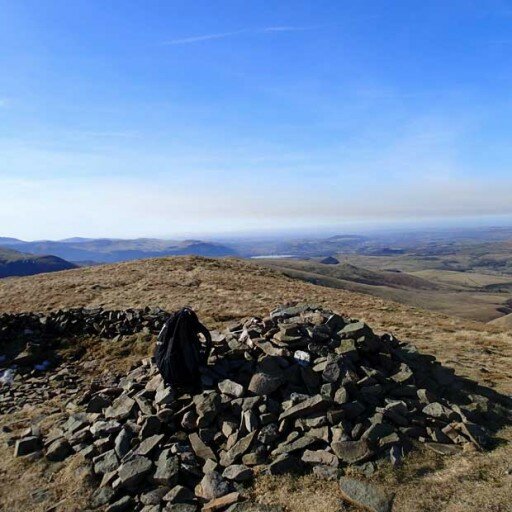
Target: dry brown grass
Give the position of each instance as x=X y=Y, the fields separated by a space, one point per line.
x=223 y=290
x=36 y=486
x=470 y=482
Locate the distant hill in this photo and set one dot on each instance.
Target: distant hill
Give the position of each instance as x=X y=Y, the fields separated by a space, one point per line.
x=442 y=291
x=504 y=322
x=4 y=240
x=111 y=250
x=352 y=273
x=330 y=260
x=14 y=263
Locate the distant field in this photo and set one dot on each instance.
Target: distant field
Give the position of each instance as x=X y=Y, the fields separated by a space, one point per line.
x=464 y=279
x=474 y=296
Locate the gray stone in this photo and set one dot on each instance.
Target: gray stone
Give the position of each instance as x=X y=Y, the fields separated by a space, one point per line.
x=269 y=433
x=180 y=507
x=26 y=445
x=364 y=495
x=145 y=405
x=106 y=462
x=98 y=403
x=332 y=372
x=75 y=422
x=404 y=374
x=133 y=472
x=355 y=330
x=231 y=388
x=341 y=395
x=425 y=396
x=264 y=384
x=189 y=421
x=167 y=469
x=238 y=473
x=309 y=406
x=352 y=452
x=476 y=434
x=285 y=463
x=154 y=496
x=439 y=411
x=377 y=431
x=255 y=458
x=125 y=503
x=347 y=348
x=177 y=495
x=207 y=407
x=325 y=472
x=104 y=428
x=121 y=409
x=222 y=502
x=59 y=450
x=297 y=444
x=149 y=444
x=213 y=486
x=122 y=442
x=249 y=421
x=367 y=469
x=444 y=449
x=150 y=427
x=202 y=450
x=210 y=465
x=291 y=414
x=102 y=496
x=320 y=457
x=164 y=396
x=240 y=447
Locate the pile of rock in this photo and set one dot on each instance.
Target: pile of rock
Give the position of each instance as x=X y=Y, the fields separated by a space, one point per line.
x=302 y=388
x=36 y=387
x=81 y=321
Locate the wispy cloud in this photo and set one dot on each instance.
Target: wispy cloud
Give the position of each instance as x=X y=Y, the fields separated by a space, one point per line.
x=205 y=37
x=223 y=35
x=285 y=28
x=4 y=102
x=115 y=134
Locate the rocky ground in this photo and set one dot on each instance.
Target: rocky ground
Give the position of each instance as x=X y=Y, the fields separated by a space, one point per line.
x=225 y=290
x=302 y=391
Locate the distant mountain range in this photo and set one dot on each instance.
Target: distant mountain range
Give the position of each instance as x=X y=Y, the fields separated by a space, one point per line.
x=110 y=250
x=14 y=263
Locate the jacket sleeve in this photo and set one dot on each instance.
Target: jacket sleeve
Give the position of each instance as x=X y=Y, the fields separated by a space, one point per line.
x=208 y=346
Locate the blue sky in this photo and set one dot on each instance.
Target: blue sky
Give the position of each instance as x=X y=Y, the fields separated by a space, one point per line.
x=131 y=118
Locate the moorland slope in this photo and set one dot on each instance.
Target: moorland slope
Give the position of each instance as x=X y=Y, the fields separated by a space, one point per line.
x=228 y=289
x=470 y=295
x=222 y=290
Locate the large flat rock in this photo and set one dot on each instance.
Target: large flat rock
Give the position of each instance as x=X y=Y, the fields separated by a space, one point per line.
x=365 y=495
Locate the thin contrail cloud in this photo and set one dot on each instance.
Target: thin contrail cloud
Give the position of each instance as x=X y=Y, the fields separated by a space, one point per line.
x=223 y=35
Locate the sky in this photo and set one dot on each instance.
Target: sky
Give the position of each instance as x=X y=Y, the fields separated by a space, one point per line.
x=169 y=118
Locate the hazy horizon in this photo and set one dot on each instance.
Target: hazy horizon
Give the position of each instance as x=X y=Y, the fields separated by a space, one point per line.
x=355 y=229
x=176 y=119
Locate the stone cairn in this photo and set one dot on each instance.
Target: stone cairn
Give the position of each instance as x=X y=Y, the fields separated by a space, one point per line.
x=302 y=388
x=39 y=334
x=80 y=321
